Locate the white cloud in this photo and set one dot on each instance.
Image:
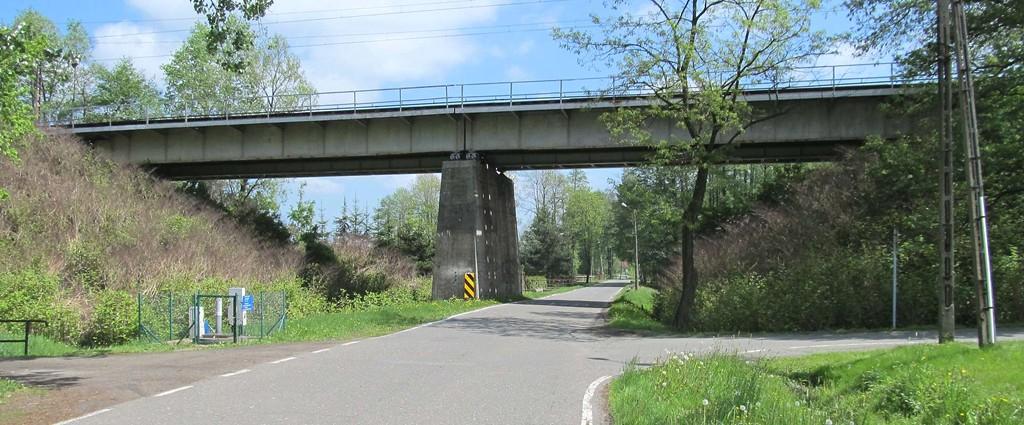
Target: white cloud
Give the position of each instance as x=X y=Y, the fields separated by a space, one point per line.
x=125 y=39
x=331 y=67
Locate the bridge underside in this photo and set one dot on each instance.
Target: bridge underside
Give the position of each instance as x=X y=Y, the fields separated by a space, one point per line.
x=502 y=160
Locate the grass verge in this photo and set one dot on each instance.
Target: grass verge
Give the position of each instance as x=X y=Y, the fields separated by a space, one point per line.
x=365 y=323
x=633 y=311
x=936 y=384
x=345 y=324
x=7 y=388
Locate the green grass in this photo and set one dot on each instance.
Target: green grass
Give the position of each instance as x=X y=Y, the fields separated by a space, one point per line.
x=346 y=324
x=935 y=384
x=359 y=324
x=551 y=291
x=632 y=311
x=8 y=388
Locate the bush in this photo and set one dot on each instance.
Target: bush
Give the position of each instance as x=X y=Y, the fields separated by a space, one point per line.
x=34 y=294
x=114 y=319
x=536 y=283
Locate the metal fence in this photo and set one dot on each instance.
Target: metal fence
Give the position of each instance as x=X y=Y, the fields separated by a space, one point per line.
x=462 y=95
x=171 y=317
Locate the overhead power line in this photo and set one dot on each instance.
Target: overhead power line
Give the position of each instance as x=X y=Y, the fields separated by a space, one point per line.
x=386 y=40
x=295 y=12
x=363 y=34
x=365 y=15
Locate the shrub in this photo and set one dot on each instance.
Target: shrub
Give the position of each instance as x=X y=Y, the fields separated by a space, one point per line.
x=114 y=319
x=34 y=294
x=535 y=283
x=83 y=266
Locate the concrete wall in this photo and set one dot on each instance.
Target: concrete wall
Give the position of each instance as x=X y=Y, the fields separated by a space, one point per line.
x=511 y=136
x=475 y=197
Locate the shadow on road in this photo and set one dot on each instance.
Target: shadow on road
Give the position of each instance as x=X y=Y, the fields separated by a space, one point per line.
x=569 y=303
x=49 y=379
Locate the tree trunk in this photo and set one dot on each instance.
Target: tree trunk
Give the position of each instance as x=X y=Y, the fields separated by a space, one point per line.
x=687 y=296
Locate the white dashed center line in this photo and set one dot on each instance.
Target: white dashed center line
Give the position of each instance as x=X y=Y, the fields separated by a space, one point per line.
x=282 y=360
x=173 y=391
x=226 y=375
x=321 y=350
x=83 y=417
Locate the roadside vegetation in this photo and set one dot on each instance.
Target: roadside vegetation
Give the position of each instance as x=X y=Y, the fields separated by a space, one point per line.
x=938 y=384
x=7 y=388
x=633 y=310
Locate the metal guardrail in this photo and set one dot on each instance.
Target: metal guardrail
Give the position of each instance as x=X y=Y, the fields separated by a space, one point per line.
x=28 y=331
x=454 y=96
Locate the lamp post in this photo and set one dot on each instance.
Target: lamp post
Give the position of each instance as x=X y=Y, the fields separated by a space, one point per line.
x=636 y=250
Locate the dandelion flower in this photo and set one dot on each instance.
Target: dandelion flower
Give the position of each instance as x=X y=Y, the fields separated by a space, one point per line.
x=743 y=408
x=706 y=402
x=828 y=421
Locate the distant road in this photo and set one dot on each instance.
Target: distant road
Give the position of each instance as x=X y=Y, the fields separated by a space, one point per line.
x=526 y=363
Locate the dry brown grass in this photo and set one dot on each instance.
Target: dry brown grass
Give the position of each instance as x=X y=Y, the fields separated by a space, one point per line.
x=96 y=223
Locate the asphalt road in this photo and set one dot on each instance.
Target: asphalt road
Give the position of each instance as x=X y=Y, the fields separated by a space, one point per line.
x=523 y=363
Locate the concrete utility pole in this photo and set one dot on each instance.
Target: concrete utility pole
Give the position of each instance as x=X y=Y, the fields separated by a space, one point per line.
x=947 y=318
x=979 y=220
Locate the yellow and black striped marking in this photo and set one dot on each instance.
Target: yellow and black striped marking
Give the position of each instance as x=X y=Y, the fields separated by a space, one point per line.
x=469 y=287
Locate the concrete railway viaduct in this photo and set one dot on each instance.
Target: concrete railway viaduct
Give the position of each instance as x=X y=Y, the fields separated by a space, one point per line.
x=471 y=141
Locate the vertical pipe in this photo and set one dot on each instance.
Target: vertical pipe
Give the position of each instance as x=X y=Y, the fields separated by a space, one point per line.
x=28 y=326
x=234 y=307
x=895 y=271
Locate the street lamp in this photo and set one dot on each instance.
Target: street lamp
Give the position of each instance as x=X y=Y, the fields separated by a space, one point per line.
x=636 y=250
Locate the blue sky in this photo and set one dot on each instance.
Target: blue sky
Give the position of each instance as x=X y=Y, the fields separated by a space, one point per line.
x=388 y=43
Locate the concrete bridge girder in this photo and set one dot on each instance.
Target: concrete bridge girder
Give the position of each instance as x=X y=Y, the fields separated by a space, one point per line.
x=512 y=137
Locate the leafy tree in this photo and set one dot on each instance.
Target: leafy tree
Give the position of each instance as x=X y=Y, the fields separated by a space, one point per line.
x=226 y=40
x=587 y=215
x=275 y=74
x=695 y=58
x=407 y=220
x=123 y=93
x=545 y=250
x=196 y=82
x=22 y=49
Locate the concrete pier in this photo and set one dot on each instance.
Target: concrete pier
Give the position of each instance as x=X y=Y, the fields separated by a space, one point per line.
x=476 y=231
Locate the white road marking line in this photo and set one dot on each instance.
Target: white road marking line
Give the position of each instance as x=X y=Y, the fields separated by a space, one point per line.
x=349 y=343
x=173 y=391
x=321 y=350
x=83 y=417
x=587 y=417
x=855 y=344
x=228 y=375
x=282 y=360
x=753 y=351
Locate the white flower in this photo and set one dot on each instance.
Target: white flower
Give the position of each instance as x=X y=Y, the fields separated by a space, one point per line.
x=706 y=402
x=743 y=408
x=828 y=421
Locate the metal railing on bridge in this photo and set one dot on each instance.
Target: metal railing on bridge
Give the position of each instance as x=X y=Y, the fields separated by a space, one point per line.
x=454 y=96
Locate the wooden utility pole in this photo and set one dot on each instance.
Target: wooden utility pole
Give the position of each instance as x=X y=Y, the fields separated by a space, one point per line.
x=979 y=220
x=947 y=318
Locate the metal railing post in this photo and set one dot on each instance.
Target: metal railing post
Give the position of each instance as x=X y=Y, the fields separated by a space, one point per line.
x=510 y=94
x=353 y=101
x=263 y=312
x=28 y=327
x=399 y=98
x=234 y=309
x=560 y=91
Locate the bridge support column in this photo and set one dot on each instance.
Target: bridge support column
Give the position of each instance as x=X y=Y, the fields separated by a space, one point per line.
x=476 y=231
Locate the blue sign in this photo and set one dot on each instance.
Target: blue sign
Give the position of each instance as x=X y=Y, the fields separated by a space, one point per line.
x=247 y=303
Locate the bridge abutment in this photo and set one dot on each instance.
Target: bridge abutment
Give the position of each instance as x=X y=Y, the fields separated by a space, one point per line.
x=476 y=231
